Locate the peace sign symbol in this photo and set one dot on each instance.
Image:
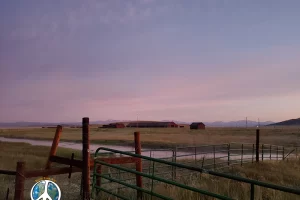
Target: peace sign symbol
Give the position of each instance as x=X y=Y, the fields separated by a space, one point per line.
x=47 y=186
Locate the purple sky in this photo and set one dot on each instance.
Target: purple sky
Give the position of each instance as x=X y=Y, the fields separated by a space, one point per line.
x=190 y=60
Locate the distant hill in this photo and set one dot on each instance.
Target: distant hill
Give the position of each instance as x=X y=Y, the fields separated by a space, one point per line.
x=241 y=123
x=25 y=124
x=290 y=122
x=41 y=124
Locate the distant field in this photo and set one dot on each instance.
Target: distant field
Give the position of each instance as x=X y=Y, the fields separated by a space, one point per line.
x=165 y=137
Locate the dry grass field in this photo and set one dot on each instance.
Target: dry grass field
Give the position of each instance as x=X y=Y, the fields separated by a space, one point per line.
x=279 y=172
x=165 y=137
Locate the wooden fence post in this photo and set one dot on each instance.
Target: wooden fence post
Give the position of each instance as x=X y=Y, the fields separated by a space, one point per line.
x=54 y=145
x=7 y=194
x=20 y=181
x=173 y=168
x=98 y=179
x=262 y=152
x=270 y=152
x=257 y=145
x=242 y=154
x=137 y=144
x=228 y=154
x=85 y=159
x=252 y=152
x=175 y=158
x=71 y=166
x=214 y=157
x=195 y=150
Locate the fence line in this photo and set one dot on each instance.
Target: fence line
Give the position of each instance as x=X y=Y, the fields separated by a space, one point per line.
x=208 y=159
x=172 y=182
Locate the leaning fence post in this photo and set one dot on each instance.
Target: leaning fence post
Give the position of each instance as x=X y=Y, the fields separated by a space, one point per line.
x=20 y=181
x=277 y=152
x=257 y=145
x=282 y=153
x=85 y=159
x=138 y=151
x=54 y=145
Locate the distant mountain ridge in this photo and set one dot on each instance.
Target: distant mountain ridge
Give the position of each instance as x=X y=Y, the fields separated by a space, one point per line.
x=240 y=123
x=290 y=122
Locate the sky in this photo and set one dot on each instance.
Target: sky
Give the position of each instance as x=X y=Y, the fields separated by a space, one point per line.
x=187 y=60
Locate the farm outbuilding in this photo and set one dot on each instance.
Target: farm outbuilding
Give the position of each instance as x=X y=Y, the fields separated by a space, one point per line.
x=114 y=125
x=197 y=125
x=153 y=125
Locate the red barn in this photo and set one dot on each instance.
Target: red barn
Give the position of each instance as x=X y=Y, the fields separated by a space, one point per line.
x=197 y=125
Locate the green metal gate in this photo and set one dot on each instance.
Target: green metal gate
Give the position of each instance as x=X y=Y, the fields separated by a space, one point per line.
x=120 y=180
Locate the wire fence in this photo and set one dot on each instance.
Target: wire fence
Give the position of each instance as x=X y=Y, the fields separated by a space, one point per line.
x=217 y=158
x=165 y=179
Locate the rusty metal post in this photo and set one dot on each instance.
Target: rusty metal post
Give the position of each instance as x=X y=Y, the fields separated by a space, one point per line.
x=257 y=145
x=85 y=159
x=137 y=143
x=54 y=145
x=20 y=181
